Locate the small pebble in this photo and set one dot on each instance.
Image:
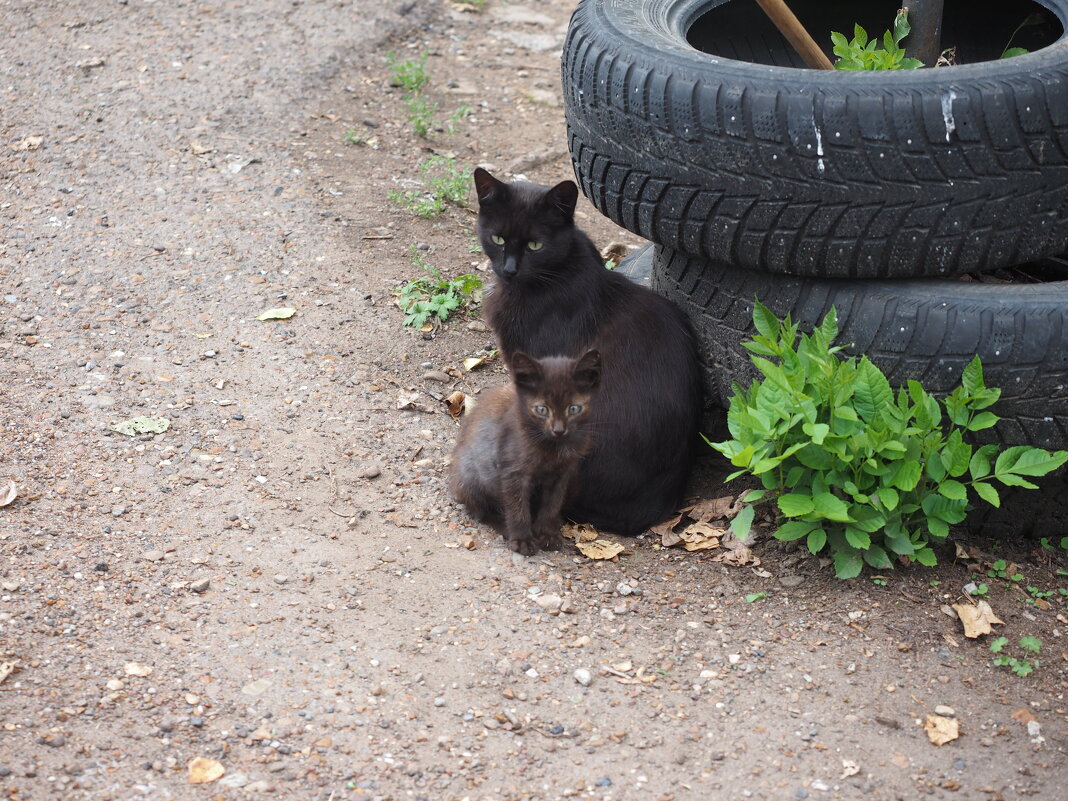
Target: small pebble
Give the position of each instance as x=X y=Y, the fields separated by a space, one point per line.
x=583 y=676
x=154 y=555
x=945 y=711
x=200 y=585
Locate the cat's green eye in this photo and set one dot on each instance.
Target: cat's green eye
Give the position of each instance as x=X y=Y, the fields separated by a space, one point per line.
x=534 y=245
x=574 y=409
x=497 y=240
x=541 y=411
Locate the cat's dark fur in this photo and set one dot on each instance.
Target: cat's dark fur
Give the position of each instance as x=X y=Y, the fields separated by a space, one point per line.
x=517 y=454
x=558 y=298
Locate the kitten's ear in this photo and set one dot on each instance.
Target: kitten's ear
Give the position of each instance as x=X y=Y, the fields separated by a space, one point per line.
x=526 y=372
x=587 y=371
x=486 y=186
x=563 y=198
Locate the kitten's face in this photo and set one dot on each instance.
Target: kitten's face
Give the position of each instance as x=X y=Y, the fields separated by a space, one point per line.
x=555 y=393
x=525 y=229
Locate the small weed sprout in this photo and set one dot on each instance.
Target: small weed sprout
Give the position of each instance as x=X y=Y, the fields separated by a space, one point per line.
x=408 y=75
x=433 y=295
x=446 y=183
x=1021 y=667
x=354 y=138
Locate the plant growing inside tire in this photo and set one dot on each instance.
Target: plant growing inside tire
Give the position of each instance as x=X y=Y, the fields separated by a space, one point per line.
x=854 y=467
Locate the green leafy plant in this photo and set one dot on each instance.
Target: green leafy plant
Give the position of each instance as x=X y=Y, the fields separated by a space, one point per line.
x=852 y=466
x=753 y=597
x=354 y=138
x=433 y=295
x=444 y=182
x=861 y=54
x=980 y=590
x=408 y=75
x=999 y=569
x=1021 y=667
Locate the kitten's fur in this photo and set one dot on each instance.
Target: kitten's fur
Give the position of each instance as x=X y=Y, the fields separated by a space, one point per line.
x=557 y=298
x=518 y=452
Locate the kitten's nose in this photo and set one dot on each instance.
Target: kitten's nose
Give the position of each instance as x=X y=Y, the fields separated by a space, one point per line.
x=559 y=430
x=510 y=267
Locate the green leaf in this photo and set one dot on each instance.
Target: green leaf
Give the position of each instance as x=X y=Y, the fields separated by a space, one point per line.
x=998 y=644
x=972 y=376
x=979 y=467
x=1012 y=52
x=983 y=420
x=857 y=538
x=794 y=530
x=817 y=538
x=763 y=320
x=743 y=522
x=907 y=476
x=953 y=490
x=987 y=492
x=847 y=564
x=956 y=454
x=794 y=504
x=1031 y=644
x=1024 y=460
x=1022 y=668
x=899 y=543
x=818 y=431
x=889 y=498
x=754 y=495
x=939 y=528
x=925 y=556
x=877 y=558
x=831 y=507
x=872 y=392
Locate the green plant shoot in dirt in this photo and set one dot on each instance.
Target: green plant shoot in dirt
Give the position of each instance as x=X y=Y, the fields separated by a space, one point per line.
x=1021 y=667
x=408 y=75
x=433 y=295
x=445 y=182
x=861 y=54
x=854 y=467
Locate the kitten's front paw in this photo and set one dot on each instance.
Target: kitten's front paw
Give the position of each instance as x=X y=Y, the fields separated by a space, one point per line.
x=525 y=546
x=549 y=539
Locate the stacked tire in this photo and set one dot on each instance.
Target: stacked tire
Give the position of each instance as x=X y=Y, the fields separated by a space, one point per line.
x=929 y=207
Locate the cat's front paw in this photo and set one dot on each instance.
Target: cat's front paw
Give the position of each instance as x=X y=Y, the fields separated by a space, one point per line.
x=523 y=543
x=549 y=539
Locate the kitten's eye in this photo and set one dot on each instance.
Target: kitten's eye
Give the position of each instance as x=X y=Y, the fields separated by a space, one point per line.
x=534 y=245
x=497 y=240
x=541 y=411
x=574 y=409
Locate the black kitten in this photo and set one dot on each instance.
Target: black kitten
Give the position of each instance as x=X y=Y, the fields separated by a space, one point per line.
x=552 y=295
x=519 y=451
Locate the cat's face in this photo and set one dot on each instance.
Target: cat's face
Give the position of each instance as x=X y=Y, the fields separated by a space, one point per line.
x=525 y=229
x=555 y=392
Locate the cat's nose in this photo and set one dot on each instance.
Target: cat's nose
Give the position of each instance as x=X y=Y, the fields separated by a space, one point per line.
x=510 y=267
x=559 y=430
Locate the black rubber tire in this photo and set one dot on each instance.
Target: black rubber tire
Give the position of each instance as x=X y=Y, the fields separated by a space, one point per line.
x=924 y=329
x=923 y=173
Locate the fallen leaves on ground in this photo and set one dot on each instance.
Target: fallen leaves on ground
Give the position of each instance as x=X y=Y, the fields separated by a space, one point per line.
x=458 y=405
x=137 y=669
x=580 y=532
x=203 y=770
x=704 y=526
x=977 y=619
x=600 y=549
x=8 y=492
x=142 y=425
x=941 y=730
x=276 y=314
x=474 y=362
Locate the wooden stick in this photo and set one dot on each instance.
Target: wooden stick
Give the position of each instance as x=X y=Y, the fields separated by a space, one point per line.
x=790 y=27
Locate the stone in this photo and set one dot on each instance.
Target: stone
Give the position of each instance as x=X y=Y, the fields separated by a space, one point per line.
x=583 y=676
x=155 y=555
x=549 y=602
x=200 y=585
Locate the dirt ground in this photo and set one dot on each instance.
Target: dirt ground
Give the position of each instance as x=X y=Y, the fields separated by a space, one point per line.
x=279 y=584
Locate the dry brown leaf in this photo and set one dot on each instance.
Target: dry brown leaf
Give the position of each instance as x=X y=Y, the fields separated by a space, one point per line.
x=941 y=730
x=734 y=551
x=203 y=770
x=7 y=668
x=960 y=551
x=977 y=619
x=1023 y=715
x=8 y=492
x=409 y=400
x=700 y=536
x=580 y=532
x=666 y=528
x=457 y=404
x=198 y=149
x=600 y=549
x=136 y=669
x=474 y=362
x=715 y=509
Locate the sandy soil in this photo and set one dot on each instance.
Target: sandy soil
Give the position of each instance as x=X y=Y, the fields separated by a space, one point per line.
x=279 y=584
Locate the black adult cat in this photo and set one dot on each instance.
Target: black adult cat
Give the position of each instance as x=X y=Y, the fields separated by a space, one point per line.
x=518 y=452
x=552 y=295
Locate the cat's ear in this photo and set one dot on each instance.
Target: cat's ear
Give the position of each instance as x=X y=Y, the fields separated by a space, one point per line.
x=526 y=372
x=486 y=186
x=587 y=371
x=563 y=198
